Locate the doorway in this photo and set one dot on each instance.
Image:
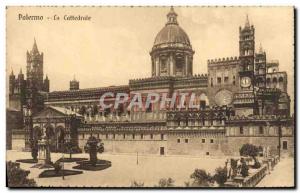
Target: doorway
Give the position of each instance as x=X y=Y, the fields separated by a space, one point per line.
x=162 y=151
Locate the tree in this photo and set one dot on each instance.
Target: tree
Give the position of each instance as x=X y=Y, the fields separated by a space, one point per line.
x=201 y=178
x=166 y=182
x=94 y=146
x=17 y=177
x=252 y=151
x=221 y=176
x=34 y=149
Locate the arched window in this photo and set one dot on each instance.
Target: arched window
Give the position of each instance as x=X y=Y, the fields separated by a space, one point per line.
x=203 y=101
x=268 y=81
x=280 y=79
x=274 y=82
x=163 y=65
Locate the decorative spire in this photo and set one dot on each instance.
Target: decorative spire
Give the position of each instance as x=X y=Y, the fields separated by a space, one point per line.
x=172 y=17
x=46 y=77
x=34 y=47
x=260 y=49
x=74 y=78
x=247 y=24
x=12 y=72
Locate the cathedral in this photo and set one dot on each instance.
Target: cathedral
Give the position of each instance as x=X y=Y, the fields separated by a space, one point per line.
x=242 y=99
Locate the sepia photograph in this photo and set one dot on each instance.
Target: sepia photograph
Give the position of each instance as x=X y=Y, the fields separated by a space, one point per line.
x=150 y=97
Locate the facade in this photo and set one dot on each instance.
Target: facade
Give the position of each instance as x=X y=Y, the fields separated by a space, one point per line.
x=242 y=99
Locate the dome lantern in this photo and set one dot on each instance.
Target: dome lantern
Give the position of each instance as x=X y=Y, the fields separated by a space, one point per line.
x=172 y=17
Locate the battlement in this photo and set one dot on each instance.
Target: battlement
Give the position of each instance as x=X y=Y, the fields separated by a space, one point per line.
x=260 y=118
x=168 y=78
x=154 y=78
x=223 y=60
x=195 y=76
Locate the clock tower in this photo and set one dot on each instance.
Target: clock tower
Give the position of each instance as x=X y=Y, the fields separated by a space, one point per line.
x=244 y=101
x=247 y=50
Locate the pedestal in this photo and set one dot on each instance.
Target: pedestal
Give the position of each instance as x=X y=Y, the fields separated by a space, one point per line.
x=44 y=159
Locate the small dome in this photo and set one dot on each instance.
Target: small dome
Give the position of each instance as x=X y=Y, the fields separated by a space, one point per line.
x=172 y=35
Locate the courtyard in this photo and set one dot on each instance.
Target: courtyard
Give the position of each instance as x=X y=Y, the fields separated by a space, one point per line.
x=124 y=170
x=147 y=169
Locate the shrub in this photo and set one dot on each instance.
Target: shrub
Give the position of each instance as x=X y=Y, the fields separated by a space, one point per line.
x=137 y=184
x=17 y=177
x=166 y=182
x=201 y=178
x=94 y=146
x=244 y=168
x=252 y=151
x=221 y=176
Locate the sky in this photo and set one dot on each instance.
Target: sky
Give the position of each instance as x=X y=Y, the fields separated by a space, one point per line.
x=114 y=46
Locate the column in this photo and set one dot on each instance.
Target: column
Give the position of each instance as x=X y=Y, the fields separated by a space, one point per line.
x=171 y=63
x=186 y=65
x=157 y=66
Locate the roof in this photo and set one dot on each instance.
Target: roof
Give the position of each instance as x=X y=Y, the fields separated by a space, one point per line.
x=172 y=34
x=53 y=111
x=88 y=93
x=65 y=111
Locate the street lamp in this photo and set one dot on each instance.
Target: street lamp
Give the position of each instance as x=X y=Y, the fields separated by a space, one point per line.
x=279 y=137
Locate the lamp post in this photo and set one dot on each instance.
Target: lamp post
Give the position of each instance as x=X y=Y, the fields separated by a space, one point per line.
x=279 y=137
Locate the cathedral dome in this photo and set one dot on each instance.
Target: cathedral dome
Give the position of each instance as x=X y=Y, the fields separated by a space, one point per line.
x=172 y=35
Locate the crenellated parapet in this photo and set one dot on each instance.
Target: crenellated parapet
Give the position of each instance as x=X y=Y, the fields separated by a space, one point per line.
x=154 y=78
x=266 y=119
x=223 y=61
x=156 y=82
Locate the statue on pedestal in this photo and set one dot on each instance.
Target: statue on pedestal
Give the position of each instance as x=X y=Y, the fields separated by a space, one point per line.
x=44 y=159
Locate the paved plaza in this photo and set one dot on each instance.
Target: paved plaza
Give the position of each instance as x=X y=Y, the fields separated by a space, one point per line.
x=149 y=170
x=281 y=176
x=125 y=169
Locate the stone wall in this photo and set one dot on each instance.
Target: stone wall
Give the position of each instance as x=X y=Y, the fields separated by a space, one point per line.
x=18 y=141
x=144 y=145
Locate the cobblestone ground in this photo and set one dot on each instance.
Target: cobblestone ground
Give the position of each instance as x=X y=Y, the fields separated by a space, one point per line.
x=125 y=170
x=281 y=176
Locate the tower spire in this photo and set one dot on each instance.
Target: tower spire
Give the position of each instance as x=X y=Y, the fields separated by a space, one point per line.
x=260 y=49
x=34 y=47
x=247 y=24
x=172 y=17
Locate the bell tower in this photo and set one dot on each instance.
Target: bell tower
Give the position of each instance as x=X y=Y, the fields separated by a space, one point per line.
x=34 y=67
x=247 y=50
x=35 y=83
x=260 y=68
